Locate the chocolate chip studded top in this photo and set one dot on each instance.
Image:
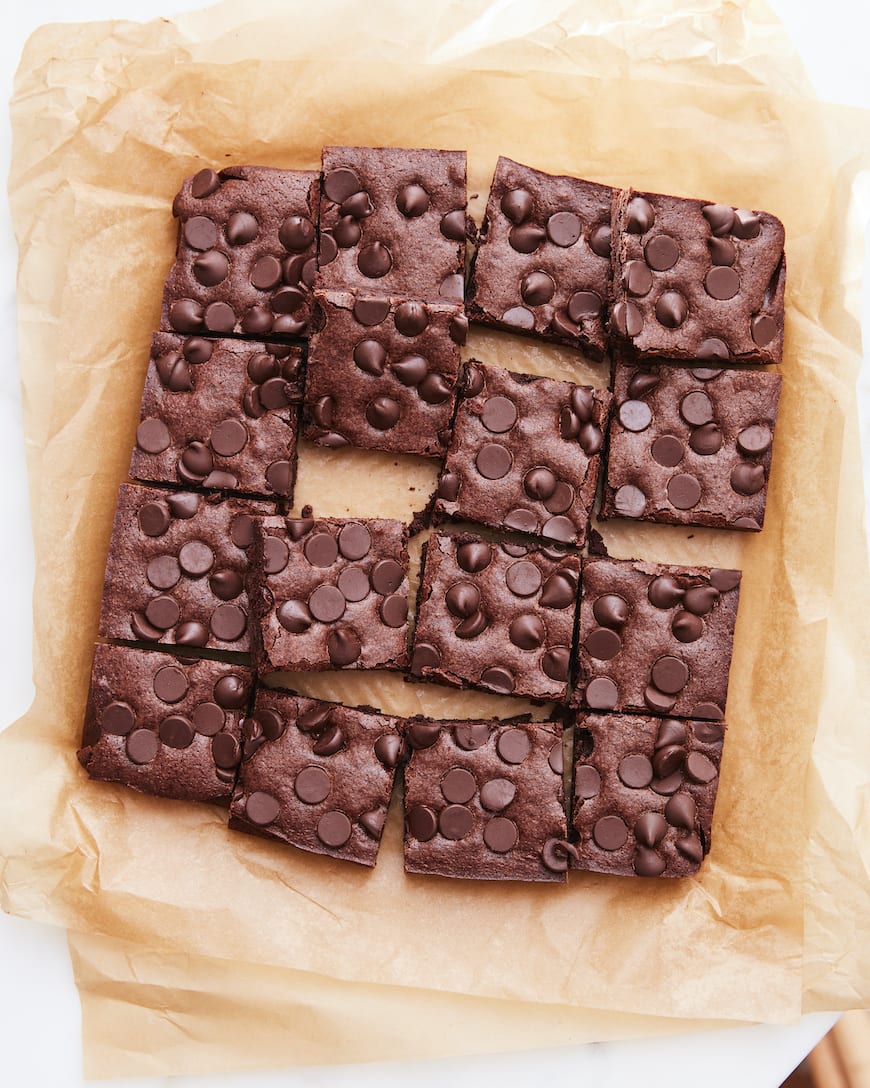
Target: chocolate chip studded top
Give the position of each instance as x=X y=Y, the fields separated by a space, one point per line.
x=246 y=253
x=495 y=616
x=331 y=594
x=655 y=638
x=483 y=800
x=382 y=373
x=164 y=725
x=220 y=413
x=691 y=447
x=644 y=790
x=317 y=775
x=524 y=454
x=393 y=222
x=177 y=567
x=543 y=263
x=695 y=280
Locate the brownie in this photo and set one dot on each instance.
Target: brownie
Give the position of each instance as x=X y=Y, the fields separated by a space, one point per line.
x=220 y=413
x=524 y=454
x=694 y=280
x=691 y=447
x=543 y=262
x=317 y=775
x=655 y=638
x=393 y=222
x=484 y=801
x=165 y=725
x=495 y=616
x=176 y=569
x=331 y=593
x=382 y=373
x=644 y=790
x=246 y=256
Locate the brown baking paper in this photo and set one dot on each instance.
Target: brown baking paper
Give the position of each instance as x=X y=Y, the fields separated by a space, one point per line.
x=107 y=121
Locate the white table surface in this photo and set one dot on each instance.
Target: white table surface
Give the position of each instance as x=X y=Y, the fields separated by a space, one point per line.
x=39 y=1010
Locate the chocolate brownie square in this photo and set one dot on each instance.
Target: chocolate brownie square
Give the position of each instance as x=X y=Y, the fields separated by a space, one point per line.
x=246 y=255
x=691 y=447
x=393 y=222
x=330 y=593
x=484 y=801
x=499 y=617
x=220 y=413
x=524 y=454
x=694 y=280
x=176 y=569
x=317 y=775
x=543 y=262
x=165 y=725
x=644 y=790
x=382 y=373
x=655 y=638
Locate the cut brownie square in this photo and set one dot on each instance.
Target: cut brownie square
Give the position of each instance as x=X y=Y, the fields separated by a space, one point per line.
x=246 y=256
x=220 y=413
x=495 y=616
x=484 y=801
x=524 y=454
x=393 y=222
x=317 y=775
x=655 y=638
x=644 y=790
x=691 y=447
x=176 y=569
x=331 y=593
x=382 y=373
x=165 y=725
x=694 y=280
x=543 y=262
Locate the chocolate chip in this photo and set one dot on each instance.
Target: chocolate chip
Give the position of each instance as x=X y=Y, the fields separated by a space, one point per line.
x=219 y=317
x=722 y=282
x=186 y=315
x=722 y=251
x=699 y=768
x=680 y=811
x=523 y=578
x=374 y=260
x=371 y=357
x=609 y=832
x=556 y=854
x=294 y=616
x=458 y=786
x=747 y=479
x=394 y=610
x=610 y=610
x=422 y=823
x=764 y=329
x=627 y=318
x=661 y=252
x=463 y=599
x=687 y=627
x=599 y=240
x=498 y=678
x=667 y=450
x=684 y=491
x=513 y=745
x=517 y=205
x=712 y=348
x=334 y=829
x=639 y=214
x=522 y=520
x=669 y=674
x=296 y=233
x=142 y=746
x=471 y=735
x=329 y=742
x=312 y=785
x=555 y=663
x=208 y=719
x=519 y=317
x=725 y=580
x=664 y=591
x=412 y=201
x=204 y=183
x=211 y=268
x=354 y=584
x=636 y=772
x=453 y=225
x=559 y=591
x=602 y=643
x=434 y=389
x=500 y=835
x=671 y=309
x=176 y=731
x=423 y=734
x=746 y=224
x=455 y=822
x=170 y=684
x=700 y=599
x=526 y=237
x=357 y=206
x=162 y=612
x=387 y=575
x=564 y=228
x=754 y=440
x=706 y=440
x=635 y=415
x=373 y=822
x=241 y=228
x=354 y=541
x=493 y=461
x=143 y=630
x=321 y=549
x=262 y=808
x=327 y=250
x=327 y=604
x=637 y=278
x=231 y=692
x=587 y=782
x=629 y=501
x=411 y=318
x=647 y=862
x=474 y=556
x=152 y=436
x=383 y=412
x=720 y=217
x=343 y=647
x=228 y=622
x=118 y=719
x=527 y=632
x=388 y=748
x=651 y=827
x=584 y=304
x=602 y=693
x=690 y=847
x=537 y=288
x=472 y=626
x=200 y=232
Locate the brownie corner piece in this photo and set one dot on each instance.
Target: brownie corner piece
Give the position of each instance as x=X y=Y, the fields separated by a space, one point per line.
x=382 y=372
x=331 y=593
x=691 y=446
x=393 y=221
x=317 y=775
x=484 y=801
x=655 y=637
x=247 y=254
x=644 y=792
x=524 y=454
x=496 y=616
x=543 y=263
x=177 y=568
x=220 y=414
x=164 y=725
x=695 y=280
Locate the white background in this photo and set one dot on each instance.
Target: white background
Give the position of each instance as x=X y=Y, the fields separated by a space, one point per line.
x=39 y=1011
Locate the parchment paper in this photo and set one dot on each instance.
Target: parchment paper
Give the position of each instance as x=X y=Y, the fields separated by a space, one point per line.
x=107 y=120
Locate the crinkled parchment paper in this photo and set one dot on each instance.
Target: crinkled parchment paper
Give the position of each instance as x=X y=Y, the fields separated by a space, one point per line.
x=710 y=102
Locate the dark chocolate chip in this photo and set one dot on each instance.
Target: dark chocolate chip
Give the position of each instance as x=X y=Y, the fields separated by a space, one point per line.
x=412 y=201
x=587 y=782
x=527 y=632
x=458 y=786
x=747 y=479
x=152 y=436
x=754 y=440
x=610 y=832
x=635 y=415
x=354 y=540
x=556 y=855
x=720 y=217
x=639 y=215
x=497 y=794
x=142 y=746
x=537 y=288
x=423 y=734
x=321 y=549
x=498 y=678
x=636 y=772
x=334 y=829
x=422 y=823
x=637 y=278
x=343 y=646
x=602 y=693
x=564 y=228
x=559 y=590
x=500 y=834
x=524 y=579
x=610 y=610
x=231 y=692
x=722 y=282
x=684 y=491
x=671 y=309
x=387 y=575
x=519 y=317
x=664 y=591
x=374 y=260
x=602 y=643
x=687 y=627
x=661 y=252
x=471 y=735
x=667 y=450
x=394 y=610
x=627 y=318
x=706 y=440
x=383 y=412
x=176 y=731
x=411 y=318
x=725 y=580
x=517 y=205
x=354 y=583
x=170 y=684
x=241 y=228
x=118 y=719
x=453 y=225
x=388 y=749
x=584 y=304
x=629 y=501
x=526 y=237
x=373 y=822
x=599 y=240
x=493 y=461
